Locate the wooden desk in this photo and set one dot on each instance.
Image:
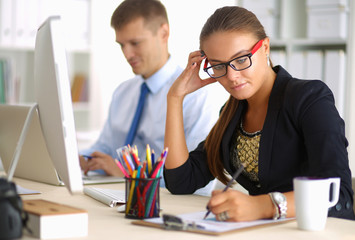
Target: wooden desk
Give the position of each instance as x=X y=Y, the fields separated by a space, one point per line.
x=106 y=223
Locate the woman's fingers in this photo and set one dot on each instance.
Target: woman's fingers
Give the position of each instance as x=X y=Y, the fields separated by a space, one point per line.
x=195 y=58
x=190 y=80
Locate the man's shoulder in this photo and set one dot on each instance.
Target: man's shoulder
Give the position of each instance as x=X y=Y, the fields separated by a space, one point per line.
x=131 y=81
x=174 y=73
x=128 y=84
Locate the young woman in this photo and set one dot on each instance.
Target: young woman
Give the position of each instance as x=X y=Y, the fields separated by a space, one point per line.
x=278 y=126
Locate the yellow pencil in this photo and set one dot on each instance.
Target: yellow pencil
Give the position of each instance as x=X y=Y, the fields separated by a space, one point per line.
x=149 y=160
x=128 y=206
x=135 y=150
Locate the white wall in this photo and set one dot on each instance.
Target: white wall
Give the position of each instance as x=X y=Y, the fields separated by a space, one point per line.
x=186 y=19
x=109 y=67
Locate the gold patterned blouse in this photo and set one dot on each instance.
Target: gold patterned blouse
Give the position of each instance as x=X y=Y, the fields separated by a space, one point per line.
x=245 y=149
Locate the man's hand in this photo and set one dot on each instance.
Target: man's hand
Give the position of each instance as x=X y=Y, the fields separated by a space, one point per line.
x=102 y=161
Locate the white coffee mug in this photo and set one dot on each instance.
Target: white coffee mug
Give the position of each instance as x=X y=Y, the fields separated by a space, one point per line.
x=312 y=201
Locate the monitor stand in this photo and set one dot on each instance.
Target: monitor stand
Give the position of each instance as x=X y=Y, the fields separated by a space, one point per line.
x=20 y=142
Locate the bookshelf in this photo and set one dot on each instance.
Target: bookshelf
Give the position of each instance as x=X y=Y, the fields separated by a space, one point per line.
x=19 y=20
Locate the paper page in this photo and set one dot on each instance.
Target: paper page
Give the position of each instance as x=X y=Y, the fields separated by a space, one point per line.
x=23 y=191
x=212 y=225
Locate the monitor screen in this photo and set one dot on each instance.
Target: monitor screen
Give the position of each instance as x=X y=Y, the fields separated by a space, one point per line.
x=52 y=93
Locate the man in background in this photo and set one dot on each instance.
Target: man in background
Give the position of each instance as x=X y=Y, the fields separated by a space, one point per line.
x=142 y=31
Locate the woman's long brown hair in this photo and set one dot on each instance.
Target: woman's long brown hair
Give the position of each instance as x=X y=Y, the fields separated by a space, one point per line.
x=226 y=19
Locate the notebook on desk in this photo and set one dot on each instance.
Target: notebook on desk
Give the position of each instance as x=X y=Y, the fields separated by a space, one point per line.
x=194 y=222
x=34 y=163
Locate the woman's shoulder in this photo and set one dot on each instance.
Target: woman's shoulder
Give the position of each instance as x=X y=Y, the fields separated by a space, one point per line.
x=302 y=89
x=304 y=97
x=294 y=85
x=297 y=95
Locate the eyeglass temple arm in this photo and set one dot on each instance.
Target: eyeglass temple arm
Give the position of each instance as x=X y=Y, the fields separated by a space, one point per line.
x=257 y=46
x=206 y=63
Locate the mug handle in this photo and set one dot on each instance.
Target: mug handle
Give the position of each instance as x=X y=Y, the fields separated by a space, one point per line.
x=335 y=192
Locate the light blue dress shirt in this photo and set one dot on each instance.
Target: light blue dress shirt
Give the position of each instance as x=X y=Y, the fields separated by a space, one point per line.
x=199 y=110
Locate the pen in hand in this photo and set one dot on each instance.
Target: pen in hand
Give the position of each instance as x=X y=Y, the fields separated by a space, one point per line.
x=235 y=176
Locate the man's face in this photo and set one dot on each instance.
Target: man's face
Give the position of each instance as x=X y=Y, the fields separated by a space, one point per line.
x=142 y=48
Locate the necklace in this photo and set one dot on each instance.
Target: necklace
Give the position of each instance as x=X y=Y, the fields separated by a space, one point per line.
x=253 y=134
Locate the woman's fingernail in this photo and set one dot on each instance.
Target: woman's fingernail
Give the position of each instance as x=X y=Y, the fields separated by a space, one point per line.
x=193 y=64
x=202 y=53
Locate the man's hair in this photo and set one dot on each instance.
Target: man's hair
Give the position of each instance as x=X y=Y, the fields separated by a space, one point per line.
x=152 y=11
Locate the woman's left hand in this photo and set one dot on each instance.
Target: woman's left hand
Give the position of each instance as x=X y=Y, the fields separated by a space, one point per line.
x=235 y=206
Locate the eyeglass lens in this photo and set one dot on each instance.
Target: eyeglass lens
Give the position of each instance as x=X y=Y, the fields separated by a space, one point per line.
x=237 y=64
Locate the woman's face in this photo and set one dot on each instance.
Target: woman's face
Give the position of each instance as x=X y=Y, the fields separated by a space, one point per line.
x=221 y=47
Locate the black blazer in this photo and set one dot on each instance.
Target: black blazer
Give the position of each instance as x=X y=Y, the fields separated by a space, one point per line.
x=303 y=135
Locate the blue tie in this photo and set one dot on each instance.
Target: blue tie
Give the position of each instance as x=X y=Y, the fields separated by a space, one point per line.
x=137 y=115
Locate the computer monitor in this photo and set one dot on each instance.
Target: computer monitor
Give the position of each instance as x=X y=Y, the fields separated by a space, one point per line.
x=52 y=94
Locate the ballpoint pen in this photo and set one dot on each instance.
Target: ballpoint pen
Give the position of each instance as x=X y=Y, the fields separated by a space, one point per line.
x=87 y=156
x=235 y=176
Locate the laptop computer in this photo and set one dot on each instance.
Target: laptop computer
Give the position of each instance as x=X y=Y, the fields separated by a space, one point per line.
x=34 y=162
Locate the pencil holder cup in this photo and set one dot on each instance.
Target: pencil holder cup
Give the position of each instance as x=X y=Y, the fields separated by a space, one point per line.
x=142 y=197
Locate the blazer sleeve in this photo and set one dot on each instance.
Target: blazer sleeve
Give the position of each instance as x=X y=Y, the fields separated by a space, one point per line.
x=323 y=131
x=190 y=176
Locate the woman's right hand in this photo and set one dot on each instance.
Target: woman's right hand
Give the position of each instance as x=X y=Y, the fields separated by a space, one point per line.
x=189 y=80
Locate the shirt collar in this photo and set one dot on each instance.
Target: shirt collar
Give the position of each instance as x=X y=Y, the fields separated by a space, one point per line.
x=158 y=79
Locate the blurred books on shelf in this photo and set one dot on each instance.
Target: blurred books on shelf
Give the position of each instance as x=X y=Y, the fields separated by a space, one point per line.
x=2 y=83
x=334 y=76
x=307 y=64
x=296 y=64
x=9 y=85
x=79 y=88
x=278 y=57
x=314 y=64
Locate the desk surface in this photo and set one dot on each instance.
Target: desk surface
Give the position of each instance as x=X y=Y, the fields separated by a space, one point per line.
x=107 y=223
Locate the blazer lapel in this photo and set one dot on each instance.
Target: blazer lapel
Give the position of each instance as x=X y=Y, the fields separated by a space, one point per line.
x=269 y=128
